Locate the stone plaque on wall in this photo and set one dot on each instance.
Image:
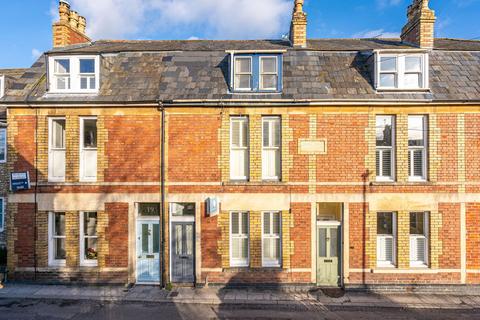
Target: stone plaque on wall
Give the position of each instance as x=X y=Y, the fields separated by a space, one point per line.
x=312 y=146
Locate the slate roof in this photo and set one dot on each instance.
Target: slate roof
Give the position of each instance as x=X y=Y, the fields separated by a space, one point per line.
x=11 y=76
x=328 y=69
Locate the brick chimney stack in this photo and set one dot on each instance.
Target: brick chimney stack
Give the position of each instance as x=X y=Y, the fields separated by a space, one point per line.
x=71 y=27
x=420 y=26
x=298 y=28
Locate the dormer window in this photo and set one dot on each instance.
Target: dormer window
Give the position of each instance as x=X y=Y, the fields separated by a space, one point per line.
x=74 y=74
x=256 y=72
x=404 y=71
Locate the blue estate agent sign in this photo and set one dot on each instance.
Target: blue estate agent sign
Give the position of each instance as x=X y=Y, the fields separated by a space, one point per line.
x=19 y=181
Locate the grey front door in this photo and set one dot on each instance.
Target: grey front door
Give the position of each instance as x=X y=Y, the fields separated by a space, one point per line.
x=183 y=252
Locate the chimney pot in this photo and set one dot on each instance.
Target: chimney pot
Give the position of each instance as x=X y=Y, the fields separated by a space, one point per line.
x=74 y=19
x=82 y=24
x=64 y=11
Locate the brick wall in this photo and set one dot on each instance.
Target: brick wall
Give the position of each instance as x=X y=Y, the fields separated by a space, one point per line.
x=116 y=234
x=193 y=137
x=449 y=236
x=133 y=148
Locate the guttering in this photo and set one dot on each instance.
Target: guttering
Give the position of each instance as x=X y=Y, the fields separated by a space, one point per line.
x=256 y=51
x=243 y=102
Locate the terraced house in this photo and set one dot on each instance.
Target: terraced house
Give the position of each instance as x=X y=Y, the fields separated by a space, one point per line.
x=329 y=162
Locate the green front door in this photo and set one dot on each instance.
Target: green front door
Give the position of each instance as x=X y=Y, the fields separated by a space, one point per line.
x=328 y=252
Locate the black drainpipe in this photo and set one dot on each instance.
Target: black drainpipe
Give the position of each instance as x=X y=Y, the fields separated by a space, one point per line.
x=162 y=193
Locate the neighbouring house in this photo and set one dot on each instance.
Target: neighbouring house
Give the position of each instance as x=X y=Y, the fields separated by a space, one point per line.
x=7 y=79
x=329 y=162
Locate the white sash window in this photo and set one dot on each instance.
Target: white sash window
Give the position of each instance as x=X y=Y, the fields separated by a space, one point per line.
x=271 y=239
x=239 y=239
x=418 y=239
x=385 y=148
x=239 y=147
x=56 y=149
x=56 y=239
x=417 y=148
x=386 y=239
x=271 y=151
x=88 y=149
x=88 y=239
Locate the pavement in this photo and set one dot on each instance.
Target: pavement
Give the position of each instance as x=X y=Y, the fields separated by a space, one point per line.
x=251 y=296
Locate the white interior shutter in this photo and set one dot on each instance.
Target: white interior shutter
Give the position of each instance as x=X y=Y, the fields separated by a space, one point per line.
x=386 y=163
x=418 y=163
x=413 y=249
x=381 y=255
x=389 y=250
x=57 y=164
x=277 y=136
x=421 y=252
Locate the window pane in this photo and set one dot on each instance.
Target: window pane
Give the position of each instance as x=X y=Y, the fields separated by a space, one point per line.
x=276 y=223
x=269 y=65
x=386 y=163
x=416 y=131
x=87 y=65
x=384 y=130
x=276 y=133
x=149 y=209
x=59 y=248
x=59 y=224
x=269 y=81
x=235 y=223
x=322 y=242
x=156 y=238
x=62 y=66
x=90 y=223
x=242 y=81
x=266 y=223
x=387 y=80
x=244 y=124
x=236 y=134
x=91 y=248
x=63 y=83
x=243 y=65
x=2 y=144
x=84 y=83
x=417 y=223
x=413 y=64
x=90 y=133
x=145 y=236
x=413 y=80
x=244 y=249
x=183 y=209
x=388 y=64
x=245 y=223
x=266 y=133
x=385 y=223
x=58 y=127
x=178 y=239
x=418 y=163
x=189 y=236
x=92 y=83
x=333 y=243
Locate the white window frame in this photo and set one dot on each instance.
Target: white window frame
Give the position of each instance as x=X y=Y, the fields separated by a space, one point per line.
x=4 y=146
x=52 y=149
x=240 y=262
x=245 y=148
x=2 y=86
x=272 y=147
x=2 y=214
x=262 y=73
x=425 y=236
x=83 y=150
x=75 y=74
x=411 y=150
x=393 y=236
x=236 y=72
x=51 y=237
x=278 y=262
x=401 y=72
x=392 y=148
x=83 y=261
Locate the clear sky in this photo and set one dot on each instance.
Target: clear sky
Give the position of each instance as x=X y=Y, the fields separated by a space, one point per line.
x=26 y=24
